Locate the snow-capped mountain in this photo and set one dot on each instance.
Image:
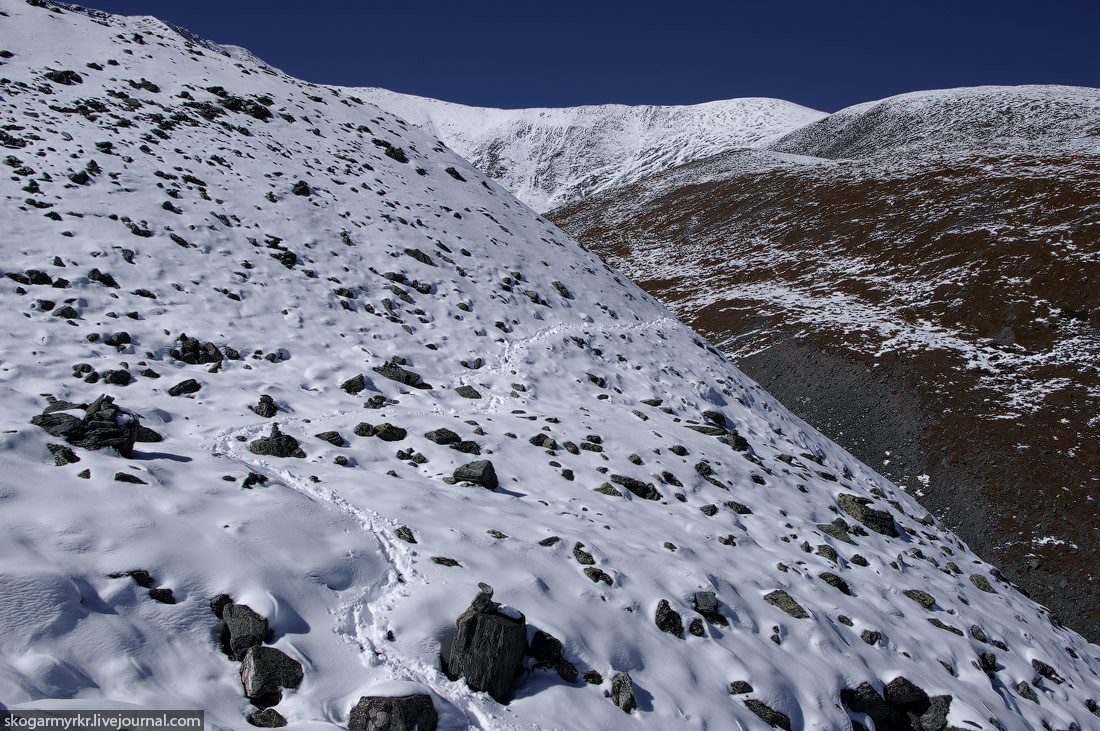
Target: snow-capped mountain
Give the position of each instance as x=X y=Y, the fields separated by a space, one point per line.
x=369 y=379
x=924 y=291
x=550 y=157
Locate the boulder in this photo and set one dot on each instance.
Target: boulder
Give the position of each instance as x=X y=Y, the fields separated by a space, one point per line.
x=769 y=715
x=277 y=445
x=390 y=433
x=355 y=384
x=904 y=695
x=488 y=646
x=480 y=473
x=706 y=603
x=244 y=628
x=185 y=387
x=643 y=490
x=622 y=692
x=398 y=713
x=266 y=407
x=879 y=521
x=267 y=718
x=403 y=376
x=668 y=619
x=784 y=601
x=468 y=392
x=443 y=436
x=103 y=425
x=265 y=671
x=865 y=699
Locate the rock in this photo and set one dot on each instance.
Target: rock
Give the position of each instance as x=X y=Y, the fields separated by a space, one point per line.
x=706 y=604
x=879 y=521
x=119 y=377
x=389 y=433
x=467 y=447
x=768 y=715
x=404 y=376
x=443 y=436
x=267 y=718
x=480 y=473
x=543 y=440
x=277 y=445
x=982 y=583
x=244 y=628
x=1047 y=672
x=301 y=187
x=488 y=646
x=164 y=596
x=598 y=575
x=468 y=392
x=923 y=598
x=547 y=651
x=905 y=696
x=185 y=387
x=394 y=713
x=62 y=455
x=355 y=384
x=641 y=489
x=935 y=718
x=583 y=557
x=116 y=339
x=836 y=582
x=668 y=619
x=265 y=671
x=193 y=352
x=219 y=603
x=784 y=601
x=1026 y=691
x=865 y=699
x=871 y=637
x=622 y=692
x=266 y=407
x=332 y=437
x=148 y=436
x=740 y=687
x=103 y=425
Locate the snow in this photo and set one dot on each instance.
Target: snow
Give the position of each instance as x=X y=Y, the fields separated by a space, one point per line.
x=550 y=157
x=314 y=548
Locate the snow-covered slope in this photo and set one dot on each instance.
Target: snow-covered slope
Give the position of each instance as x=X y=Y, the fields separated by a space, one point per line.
x=549 y=157
x=1032 y=119
x=318 y=238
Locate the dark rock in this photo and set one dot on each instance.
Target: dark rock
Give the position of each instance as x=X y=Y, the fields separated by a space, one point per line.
x=622 y=692
x=706 y=604
x=65 y=78
x=185 y=387
x=641 y=489
x=332 y=437
x=116 y=339
x=403 y=376
x=390 y=433
x=836 y=582
x=709 y=510
x=277 y=445
x=871 y=637
x=265 y=671
x=219 y=603
x=467 y=447
x=244 y=627
x=62 y=455
x=420 y=256
x=488 y=647
x=443 y=436
x=865 y=699
x=480 y=473
x=405 y=534
x=266 y=407
x=193 y=352
x=668 y=619
x=769 y=715
x=923 y=598
x=164 y=596
x=103 y=278
x=355 y=384
x=784 y=601
x=696 y=627
x=66 y=312
x=118 y=377
x=253 y=478
x=1047 y=672
x=740 y=687
x=267 y=718
x=127 y=477
x=363 y=429
x=982 y=583
x=598 y=575
x=550 y=541
x=543 y=440
x=583 y=557
x=879 y=521
x=148 y=436
x=935 y=718
x=468 y=392
x=1026 y=691
x=104 y=425
x=301 y=188
x=906 y=696
x=398 y=713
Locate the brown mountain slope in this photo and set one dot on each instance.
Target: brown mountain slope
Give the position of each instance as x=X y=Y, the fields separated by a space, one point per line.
x=936 y=315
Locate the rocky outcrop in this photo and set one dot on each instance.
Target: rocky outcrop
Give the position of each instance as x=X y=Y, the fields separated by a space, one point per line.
x=488 y=646
x=103 y=425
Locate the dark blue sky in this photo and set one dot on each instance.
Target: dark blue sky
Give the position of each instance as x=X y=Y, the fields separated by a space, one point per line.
x=826 y=54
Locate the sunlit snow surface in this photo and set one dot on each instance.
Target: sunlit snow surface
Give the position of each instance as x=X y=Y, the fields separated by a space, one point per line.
x=313 y=549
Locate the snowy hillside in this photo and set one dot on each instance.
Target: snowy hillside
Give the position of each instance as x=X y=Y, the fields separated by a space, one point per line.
x=377 y=380
x=549 y=157
x=1035 y=119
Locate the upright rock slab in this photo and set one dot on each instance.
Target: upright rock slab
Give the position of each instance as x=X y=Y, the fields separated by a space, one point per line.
x=488 y=646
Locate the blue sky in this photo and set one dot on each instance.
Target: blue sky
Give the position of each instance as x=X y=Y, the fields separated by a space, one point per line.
x=825 y=54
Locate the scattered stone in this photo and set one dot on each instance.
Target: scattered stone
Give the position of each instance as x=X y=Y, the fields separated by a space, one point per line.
x=550 y=541
x=445 y=561
x=480 y=473
x=923 y=598
x=643 y=490
x=488 y=646
x=622 y=692
x=389 y=433
x=244 y=628
x=865 y=699
x=668 y=619
x=468 y=392
x=768 y=715
x=164 y=596
x=394 y=372
x=443 y=436
x=982 y=583
x=394 y=713
x=935 y=718
x=598 y=575
x=1026 y=691
x=583 y=557
x=355 y=384
x=1047 y=672
x=706 y=604
x=103 y=425
x=62 y=455
x=871 y=637
x=266 y=407
x=879 y=521
x=836 y=582
x=332 y=437
x=265 y=671
x=185 y=387
x=267 y=718
x=277 y=445
x=784 y=601
x=127 y=477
